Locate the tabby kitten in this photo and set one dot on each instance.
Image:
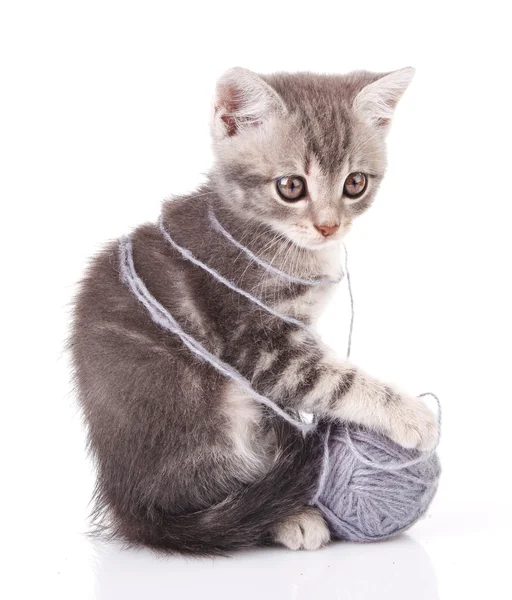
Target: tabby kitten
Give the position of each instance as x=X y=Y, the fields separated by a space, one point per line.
x=187 y=461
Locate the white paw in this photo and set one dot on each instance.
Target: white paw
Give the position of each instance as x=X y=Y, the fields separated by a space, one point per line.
x=307 y=530
x=411 y=423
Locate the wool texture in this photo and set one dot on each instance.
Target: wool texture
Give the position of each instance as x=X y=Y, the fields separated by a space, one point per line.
x=376 y=492
x=369 y=488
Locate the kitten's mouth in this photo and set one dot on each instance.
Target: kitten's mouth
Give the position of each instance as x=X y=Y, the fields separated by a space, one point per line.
x=328 y=240
x=318 y=243
x=307 y=240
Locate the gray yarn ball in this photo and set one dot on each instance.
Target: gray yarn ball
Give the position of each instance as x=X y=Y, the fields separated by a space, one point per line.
x=371 y=488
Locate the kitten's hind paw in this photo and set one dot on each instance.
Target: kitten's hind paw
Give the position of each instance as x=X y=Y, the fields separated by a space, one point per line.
x=305 y=530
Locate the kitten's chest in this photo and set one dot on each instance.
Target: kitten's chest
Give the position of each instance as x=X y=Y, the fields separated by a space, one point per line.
x=307 y=304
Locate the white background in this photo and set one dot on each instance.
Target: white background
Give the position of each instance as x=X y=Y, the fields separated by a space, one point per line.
x=104 y=110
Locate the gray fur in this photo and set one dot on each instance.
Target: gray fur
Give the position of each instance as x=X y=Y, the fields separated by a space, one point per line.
x=186 y=461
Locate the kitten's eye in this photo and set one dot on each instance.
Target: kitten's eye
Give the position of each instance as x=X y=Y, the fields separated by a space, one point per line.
x=291 y=188
x=355 y=185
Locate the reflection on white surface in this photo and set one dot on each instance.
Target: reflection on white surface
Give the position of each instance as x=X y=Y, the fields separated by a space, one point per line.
x=399 y=569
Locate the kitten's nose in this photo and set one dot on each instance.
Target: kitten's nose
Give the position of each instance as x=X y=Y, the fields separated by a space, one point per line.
x=327 y=230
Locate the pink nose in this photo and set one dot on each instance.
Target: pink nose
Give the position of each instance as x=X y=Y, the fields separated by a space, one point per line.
x=327 y=230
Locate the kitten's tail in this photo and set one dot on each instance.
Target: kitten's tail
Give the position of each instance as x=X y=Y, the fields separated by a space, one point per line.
x=245 y=518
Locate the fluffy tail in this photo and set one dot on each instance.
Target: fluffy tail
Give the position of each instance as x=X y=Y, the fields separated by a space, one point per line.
x=244 y=518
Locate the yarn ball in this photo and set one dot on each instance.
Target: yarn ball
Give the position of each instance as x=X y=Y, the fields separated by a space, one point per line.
x=371 y=488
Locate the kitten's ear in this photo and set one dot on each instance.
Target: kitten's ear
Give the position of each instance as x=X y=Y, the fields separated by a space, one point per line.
x=376 y=102
x=243 y=100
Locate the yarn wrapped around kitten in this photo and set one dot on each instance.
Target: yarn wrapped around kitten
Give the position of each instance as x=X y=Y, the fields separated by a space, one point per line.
x=370 y=488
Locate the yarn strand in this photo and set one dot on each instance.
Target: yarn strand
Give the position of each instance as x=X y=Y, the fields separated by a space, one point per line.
x=187 y=254
x=351 y=298
x=163 y=317
x=267 y=266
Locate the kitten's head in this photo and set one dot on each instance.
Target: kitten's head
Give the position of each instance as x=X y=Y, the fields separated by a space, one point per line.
x=303 y=153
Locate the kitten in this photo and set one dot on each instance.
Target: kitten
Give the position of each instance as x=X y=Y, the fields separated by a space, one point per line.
x=186 y=460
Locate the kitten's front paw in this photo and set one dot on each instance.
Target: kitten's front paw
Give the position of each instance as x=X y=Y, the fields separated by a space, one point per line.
x=411 y=423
